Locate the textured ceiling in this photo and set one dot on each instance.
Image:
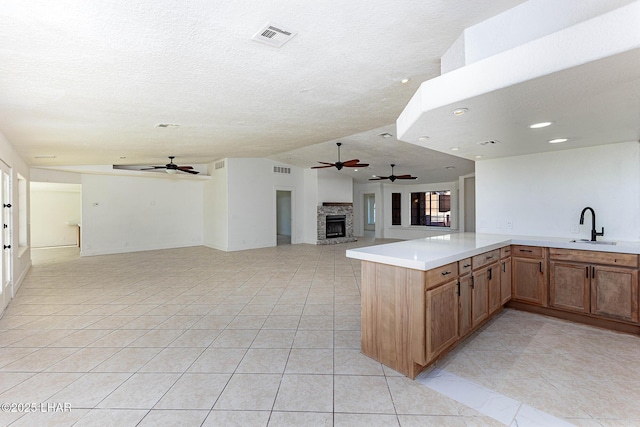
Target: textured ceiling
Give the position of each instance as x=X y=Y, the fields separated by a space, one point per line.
x=88 y=81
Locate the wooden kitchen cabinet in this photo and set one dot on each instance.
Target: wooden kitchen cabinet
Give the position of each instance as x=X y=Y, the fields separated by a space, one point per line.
x=465 y=321
x=614 y=293
x=505 y=280
x=569 y=286
x=493 y=287
x=442 y=318
x=604 y=284
x=479 y=293
x=529 y=280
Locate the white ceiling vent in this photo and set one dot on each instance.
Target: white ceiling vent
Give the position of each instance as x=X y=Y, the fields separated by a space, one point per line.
x=219 y=165
x=274 y=35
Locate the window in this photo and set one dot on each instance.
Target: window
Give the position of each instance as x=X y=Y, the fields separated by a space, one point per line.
x=431 y=208
x=396 y=210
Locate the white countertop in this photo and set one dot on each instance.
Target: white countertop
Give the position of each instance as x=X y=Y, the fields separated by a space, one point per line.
x=432 y=252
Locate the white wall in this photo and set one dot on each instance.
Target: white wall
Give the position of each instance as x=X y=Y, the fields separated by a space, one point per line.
x=21 y=259
x=55 y=213
x=310 y=208
x=127 y=214
x=216 y=205
x=543 y=194
x=252 y=187
x=334 y=187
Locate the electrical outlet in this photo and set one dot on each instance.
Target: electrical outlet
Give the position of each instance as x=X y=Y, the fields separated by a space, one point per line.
x=509 y=224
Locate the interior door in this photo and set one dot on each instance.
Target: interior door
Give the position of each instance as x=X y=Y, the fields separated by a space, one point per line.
x=5 y=196
x=370 y=212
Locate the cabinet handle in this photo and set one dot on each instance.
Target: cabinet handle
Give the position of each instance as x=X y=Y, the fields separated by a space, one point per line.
x=444 y=273
x=472 y=284
x=525 y=250
x=490 y=275
x=504 y=266
x=489 y=257
x=458 y=291
x=593 y=272
x=540 y=266
x=467 y=265
x=587 y=271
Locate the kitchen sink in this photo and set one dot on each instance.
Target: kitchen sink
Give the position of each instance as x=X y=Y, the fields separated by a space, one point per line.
x=597 y=242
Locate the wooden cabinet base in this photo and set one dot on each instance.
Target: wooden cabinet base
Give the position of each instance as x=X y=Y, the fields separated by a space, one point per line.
x=576 y=317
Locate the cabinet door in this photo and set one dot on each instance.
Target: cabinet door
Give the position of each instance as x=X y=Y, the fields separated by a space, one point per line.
x=505 y=280
x=464 y=306
x=529 y=281
x=442 y=318
x=614 y=293
x=479 y=300
x=569 y=286
x=493 y=281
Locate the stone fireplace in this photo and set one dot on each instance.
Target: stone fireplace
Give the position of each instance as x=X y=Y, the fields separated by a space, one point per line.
x=335 y=223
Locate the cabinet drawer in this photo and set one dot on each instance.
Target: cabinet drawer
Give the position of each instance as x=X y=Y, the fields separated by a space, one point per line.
x=505 y=252
x=464 y=266
x=442 y=274
x=485 y=258
x=527 y=251
x=603 y=258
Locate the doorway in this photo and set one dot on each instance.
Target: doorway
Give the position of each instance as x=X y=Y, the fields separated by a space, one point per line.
x=369 y=219
x=283 y=217
x=6 y=234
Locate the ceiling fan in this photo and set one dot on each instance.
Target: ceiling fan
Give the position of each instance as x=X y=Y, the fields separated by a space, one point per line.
x=354 y=163
x=393 y=177
x=172 y=168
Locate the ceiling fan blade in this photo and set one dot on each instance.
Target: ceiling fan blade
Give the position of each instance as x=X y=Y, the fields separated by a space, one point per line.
x=406 y=177
x=185 y=167
x=351 y=162
x=359 y=165
x=153 y=167
x=327 y=163
x=378 y=178
x=188 y=171
x=322 y=167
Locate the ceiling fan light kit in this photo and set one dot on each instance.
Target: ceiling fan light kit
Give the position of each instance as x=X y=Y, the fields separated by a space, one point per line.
x=353 y=163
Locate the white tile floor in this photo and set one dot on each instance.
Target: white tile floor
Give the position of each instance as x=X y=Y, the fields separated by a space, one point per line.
x=198 y=337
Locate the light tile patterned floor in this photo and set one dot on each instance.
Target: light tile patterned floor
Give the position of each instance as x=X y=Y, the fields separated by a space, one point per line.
x=199 y=337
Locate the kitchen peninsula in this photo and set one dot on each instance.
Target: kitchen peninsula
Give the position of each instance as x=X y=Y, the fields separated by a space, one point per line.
x=420 y=298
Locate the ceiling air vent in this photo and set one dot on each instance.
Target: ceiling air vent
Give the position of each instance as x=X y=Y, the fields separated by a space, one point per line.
x=280 y=169
x=219 y=165
x=273 y=35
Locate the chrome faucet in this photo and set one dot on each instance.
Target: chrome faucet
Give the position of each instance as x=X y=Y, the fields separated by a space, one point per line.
x=594 y=233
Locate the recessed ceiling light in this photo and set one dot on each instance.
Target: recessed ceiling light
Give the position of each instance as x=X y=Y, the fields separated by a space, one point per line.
x=479 y=156
x=540 y=125
x=404 y=81
x=385 y=135
x=558 y=140
x=459 y=111
x=423 y=138
x=455 y=148
x=355 y=170
x=123 y=157
x=167 y=125
x=373 y=176
x=45 y=156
